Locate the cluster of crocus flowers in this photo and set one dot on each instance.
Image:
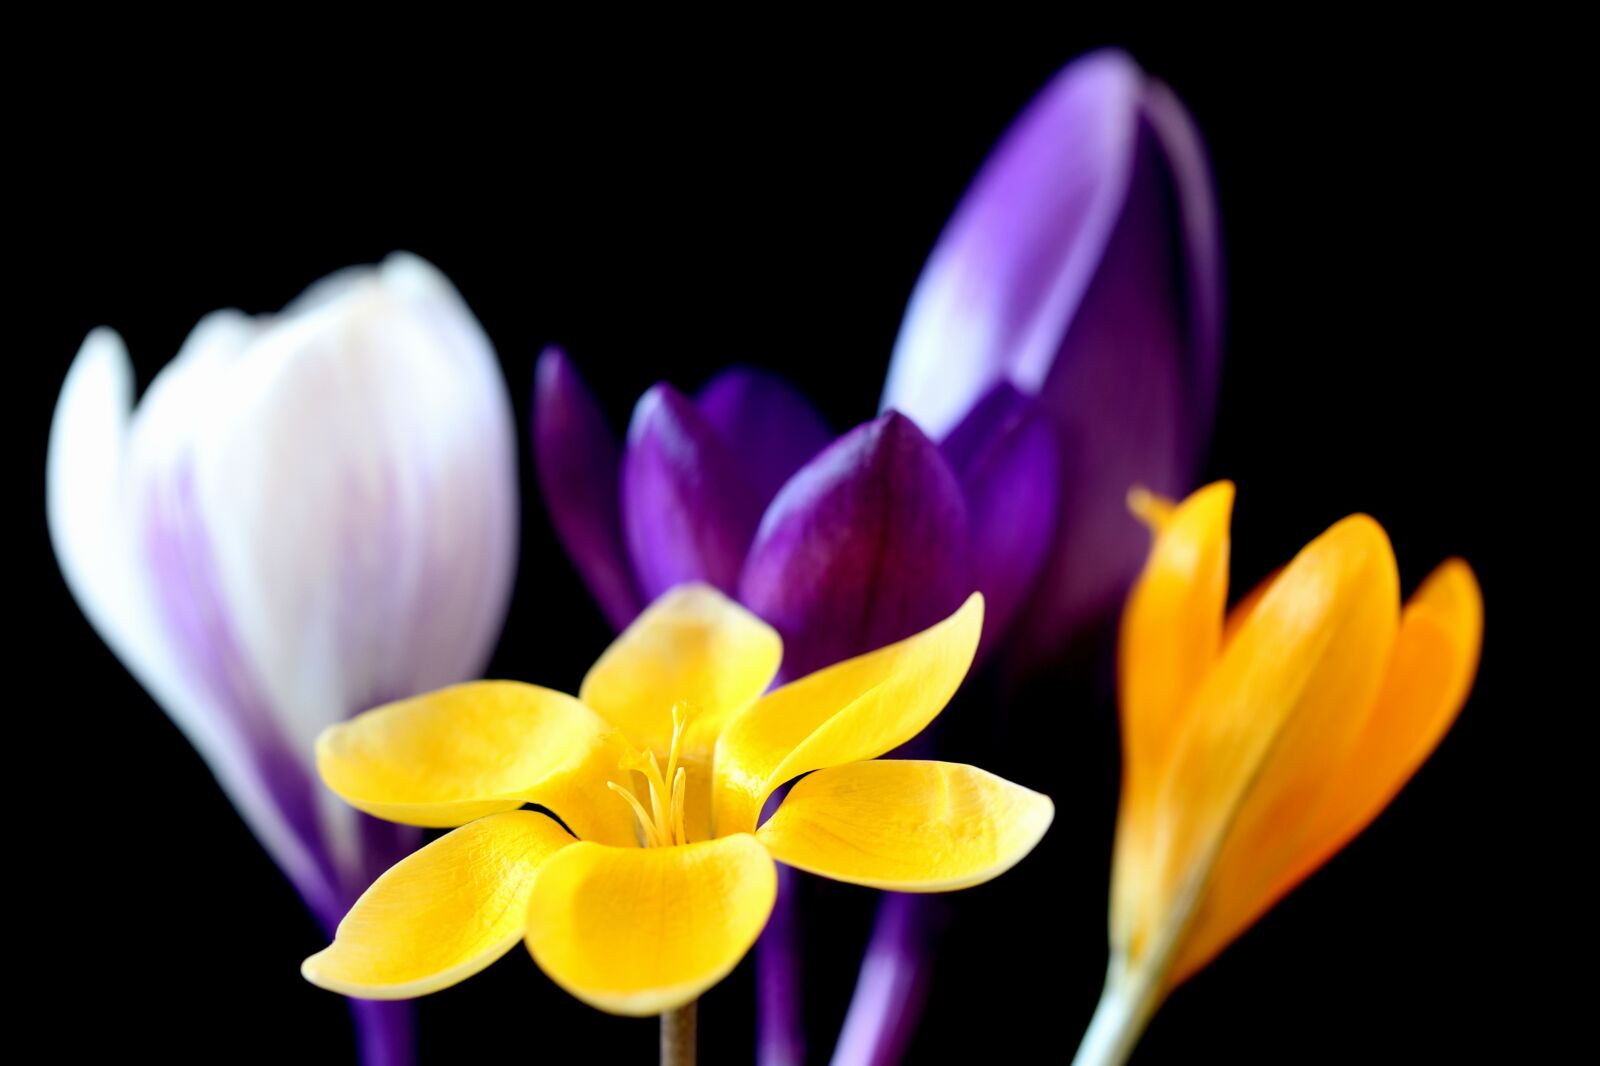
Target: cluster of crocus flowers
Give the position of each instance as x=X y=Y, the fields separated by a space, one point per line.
x=1258 y=740
x=308 y=513
x=660 y=770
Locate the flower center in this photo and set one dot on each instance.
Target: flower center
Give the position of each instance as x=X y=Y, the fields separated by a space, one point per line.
x=662 y=824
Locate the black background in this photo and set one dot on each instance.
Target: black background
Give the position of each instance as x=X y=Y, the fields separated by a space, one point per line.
x=663 y=214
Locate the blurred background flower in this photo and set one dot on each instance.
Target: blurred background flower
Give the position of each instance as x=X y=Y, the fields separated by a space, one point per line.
x=308 y=514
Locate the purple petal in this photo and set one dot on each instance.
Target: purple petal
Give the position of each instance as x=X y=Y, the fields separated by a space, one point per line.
x=687 y=512
x=1084 y=266
x=1125 y=395
x=772 y=429
x=866 y=545
x=1004 y=454
x=578 y=466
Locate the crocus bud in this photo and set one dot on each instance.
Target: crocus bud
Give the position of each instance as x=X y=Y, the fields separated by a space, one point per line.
x=308 y=514
x=1083 y=266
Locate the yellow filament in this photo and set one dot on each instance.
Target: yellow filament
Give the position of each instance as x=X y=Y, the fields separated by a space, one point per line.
x=652 y=837
x=663 y=824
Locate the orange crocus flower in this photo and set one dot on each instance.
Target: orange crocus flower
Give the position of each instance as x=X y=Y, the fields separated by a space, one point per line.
x=1258 y=741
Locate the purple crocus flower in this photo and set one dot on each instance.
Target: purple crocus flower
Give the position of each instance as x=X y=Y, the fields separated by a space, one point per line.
x=1061 y=345
x=842 y=545
x=307 y=514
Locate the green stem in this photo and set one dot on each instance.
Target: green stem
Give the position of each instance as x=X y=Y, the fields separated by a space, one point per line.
x=1126 y=1005
x=678 y=1029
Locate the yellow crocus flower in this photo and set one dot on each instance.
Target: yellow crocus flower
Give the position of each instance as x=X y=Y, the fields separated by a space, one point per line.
x=660 y=769
x=1258 y=741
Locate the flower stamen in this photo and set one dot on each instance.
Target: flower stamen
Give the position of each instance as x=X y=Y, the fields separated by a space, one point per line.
x=662 y=825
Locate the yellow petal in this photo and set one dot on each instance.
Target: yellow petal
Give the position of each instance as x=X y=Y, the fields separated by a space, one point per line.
x=1171 y=632
x=854 y=710
x=1270 y=723
x=693 y=646
x=460 y=753
x=644 y=930
x=1427 y=680
x=442 y=913
x=907 y=826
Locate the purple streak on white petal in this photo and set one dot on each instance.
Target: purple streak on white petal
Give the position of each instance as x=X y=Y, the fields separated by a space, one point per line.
x=95 y=532
x=771 y=428
x=579 y=468
x=1004 y=454
x=307 y=514
x=357 y=479
x=187 y=603
x=687 y=511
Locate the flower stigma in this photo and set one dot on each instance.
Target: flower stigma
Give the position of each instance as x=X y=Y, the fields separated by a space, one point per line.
x=1154 y=510
x=662 y=825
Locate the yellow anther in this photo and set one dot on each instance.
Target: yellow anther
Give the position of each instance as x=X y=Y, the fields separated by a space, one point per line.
x=663 y=823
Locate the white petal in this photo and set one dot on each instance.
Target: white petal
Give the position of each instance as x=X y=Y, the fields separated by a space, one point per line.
x=96 y=544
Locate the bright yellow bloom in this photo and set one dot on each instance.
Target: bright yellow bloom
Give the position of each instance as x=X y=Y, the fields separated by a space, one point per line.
x=1258 y=741
x=660 y=768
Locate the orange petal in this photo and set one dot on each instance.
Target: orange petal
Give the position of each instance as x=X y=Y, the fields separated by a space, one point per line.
x=1429 y=675
x=1172 y=626
x=1171 y=633
x=1240 y=612
x=1270 y=724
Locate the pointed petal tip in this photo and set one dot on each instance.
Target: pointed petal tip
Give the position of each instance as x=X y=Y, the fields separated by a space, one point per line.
x=688 y=510
x=815 y=569
x=770 y=425
x=661 y=400
x=553 y=364
x=1363 y=530
x=907 y=825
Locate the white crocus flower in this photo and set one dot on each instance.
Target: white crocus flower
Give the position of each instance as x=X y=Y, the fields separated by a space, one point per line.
x=309 y=514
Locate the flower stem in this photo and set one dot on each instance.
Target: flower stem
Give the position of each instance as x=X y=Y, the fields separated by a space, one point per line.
x=780 y=1034
x=383 y=1032
x=678 y=1031
x=1125 y=1008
